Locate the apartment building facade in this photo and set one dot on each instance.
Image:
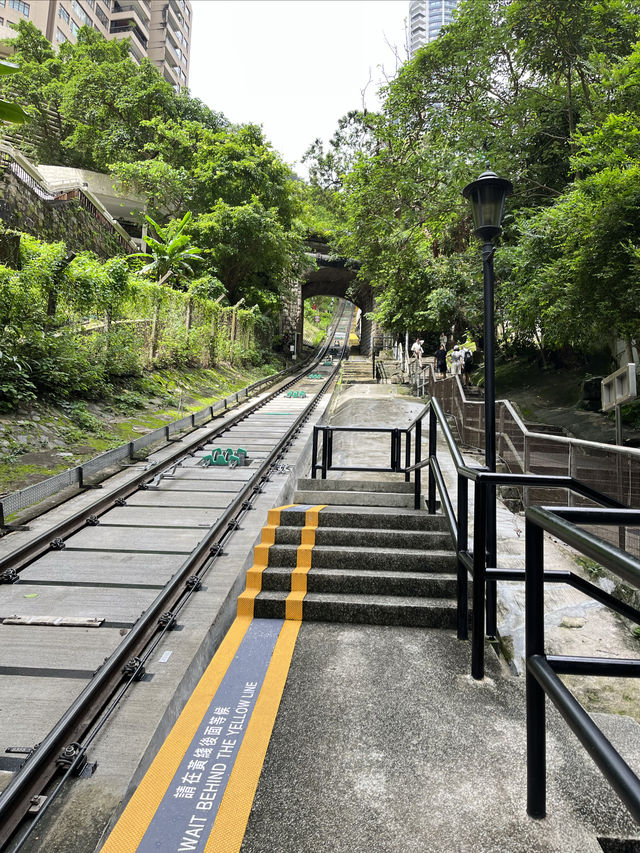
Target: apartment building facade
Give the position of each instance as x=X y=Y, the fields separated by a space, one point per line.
x=157 y=29
x=426 y=19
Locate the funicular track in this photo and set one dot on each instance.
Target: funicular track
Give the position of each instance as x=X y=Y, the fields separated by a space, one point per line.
x=144 y=548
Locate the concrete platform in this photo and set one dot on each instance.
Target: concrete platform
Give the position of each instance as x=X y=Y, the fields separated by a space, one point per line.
x=383 y=743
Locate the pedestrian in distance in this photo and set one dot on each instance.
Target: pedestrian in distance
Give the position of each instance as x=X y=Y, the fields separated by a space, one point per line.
x=443 y=340
x=456 y=361
x=467 y=365
x=441 y=362
x=417 y=351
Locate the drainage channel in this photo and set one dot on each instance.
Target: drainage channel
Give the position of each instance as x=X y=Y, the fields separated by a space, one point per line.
x=165 y=530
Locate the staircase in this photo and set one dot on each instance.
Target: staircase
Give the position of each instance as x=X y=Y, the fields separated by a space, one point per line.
x=367 y=557
x=358 y=369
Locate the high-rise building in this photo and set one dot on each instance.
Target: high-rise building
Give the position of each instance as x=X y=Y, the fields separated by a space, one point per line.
x=426 y=19
x=158 y=29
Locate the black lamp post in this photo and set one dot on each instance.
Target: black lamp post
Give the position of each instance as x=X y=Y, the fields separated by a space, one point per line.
x=487 y=196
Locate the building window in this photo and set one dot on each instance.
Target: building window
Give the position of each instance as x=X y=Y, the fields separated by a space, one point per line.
x=60 y=36
x=74 y=27
x=1 y=22
x=90 y=3
x=62 y=13
x=2 y=2
x=77 y=8
x=101 y=16
x=20 y=6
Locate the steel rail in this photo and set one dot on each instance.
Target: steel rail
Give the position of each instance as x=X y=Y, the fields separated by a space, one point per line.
x=40 y=766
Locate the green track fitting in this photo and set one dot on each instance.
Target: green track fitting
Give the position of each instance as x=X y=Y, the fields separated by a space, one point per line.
x=222 y=458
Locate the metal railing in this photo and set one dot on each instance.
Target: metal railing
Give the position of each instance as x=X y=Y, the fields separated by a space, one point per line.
x=542 y=669
x=323 y=446
x=28 y=174
x=608 y=468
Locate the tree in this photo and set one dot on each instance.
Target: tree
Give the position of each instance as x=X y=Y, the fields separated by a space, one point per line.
x=545 y=91
x=250 y=251
x=89 y=102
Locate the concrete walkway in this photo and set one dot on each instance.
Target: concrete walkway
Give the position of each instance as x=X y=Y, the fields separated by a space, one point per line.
x=383 y=742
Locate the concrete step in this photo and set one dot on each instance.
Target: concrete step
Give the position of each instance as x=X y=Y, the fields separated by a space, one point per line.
x=362 y=537
x=369 y=559
x=356 y=485
x=359 y=582
x=381 y=518
x=363 y=609
x=353 y=498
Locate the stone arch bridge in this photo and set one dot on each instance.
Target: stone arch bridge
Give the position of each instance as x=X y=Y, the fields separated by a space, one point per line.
x=333 y=277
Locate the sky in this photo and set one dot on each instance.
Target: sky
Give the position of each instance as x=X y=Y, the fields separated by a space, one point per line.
x=293 y=66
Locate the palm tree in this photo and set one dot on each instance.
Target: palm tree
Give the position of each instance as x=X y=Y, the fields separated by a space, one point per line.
x=169 y=255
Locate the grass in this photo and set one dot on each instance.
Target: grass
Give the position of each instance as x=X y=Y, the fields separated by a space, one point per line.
x=136 y=407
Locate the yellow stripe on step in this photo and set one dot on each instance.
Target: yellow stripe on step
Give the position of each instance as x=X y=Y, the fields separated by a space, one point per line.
x=260 y=561
x=293 y=604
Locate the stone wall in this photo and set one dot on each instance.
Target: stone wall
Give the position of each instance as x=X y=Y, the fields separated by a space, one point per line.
x=22 y=208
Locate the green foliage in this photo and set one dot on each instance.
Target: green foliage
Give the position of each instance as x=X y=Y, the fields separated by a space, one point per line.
x=91 y=106
x=546 y=92
x=70 y=328
x=171 y=255
x=249 y=250
x=89 y=103
x=591 y=567
x=8 y=111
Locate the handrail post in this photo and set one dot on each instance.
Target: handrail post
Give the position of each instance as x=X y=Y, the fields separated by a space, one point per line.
x=314 y=453
x=492 y=559
x=417 y=482
x=534 y=645
x=479 y=567
x=433 y=425
x=463 y=545
x=407 y=454
x=325 y=442
x=395 y=449
x=330 y=449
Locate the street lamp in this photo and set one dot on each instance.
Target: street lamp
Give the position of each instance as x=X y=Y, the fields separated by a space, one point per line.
x=487 y=196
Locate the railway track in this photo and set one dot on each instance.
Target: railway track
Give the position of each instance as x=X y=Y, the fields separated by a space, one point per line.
x=85 y=603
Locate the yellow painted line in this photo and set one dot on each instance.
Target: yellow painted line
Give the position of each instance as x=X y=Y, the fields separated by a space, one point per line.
x=293 y=604
x=260 y=562
x=231 y=821
x=134 y=821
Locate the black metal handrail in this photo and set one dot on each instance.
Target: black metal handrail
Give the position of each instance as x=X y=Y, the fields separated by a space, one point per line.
x=542 y=670
x=323 y=449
